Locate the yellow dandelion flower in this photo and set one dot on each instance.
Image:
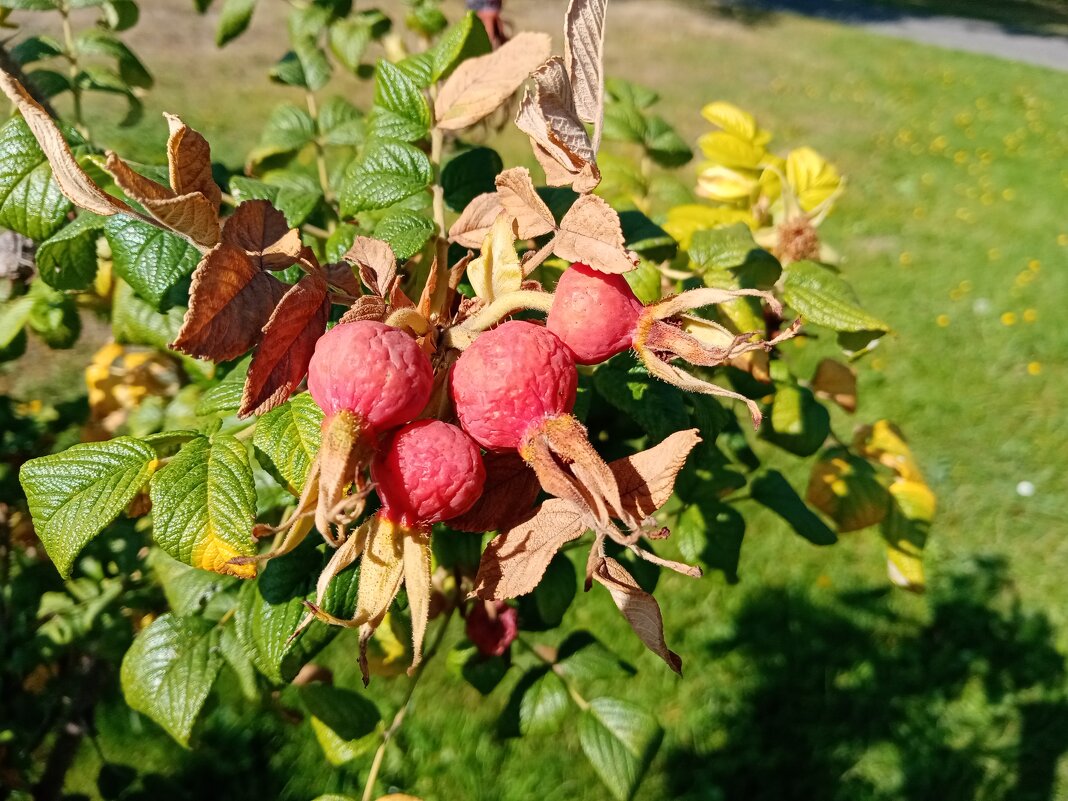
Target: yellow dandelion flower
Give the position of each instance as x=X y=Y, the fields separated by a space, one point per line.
x=942 y=320
x=1062 y=240
x=905 y=259
x=1034 y=265
x=919 y=212
x=927 y=180
x=1008 y=318
x=1034 y=368
x=1030 y=315
x=1008 y=194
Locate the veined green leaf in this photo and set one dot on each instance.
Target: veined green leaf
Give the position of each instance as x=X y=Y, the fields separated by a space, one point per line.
x=153 y=262
x=400 y=110
x=387 y=173
x=823 y=297
x=67 y=259
x=30 y=201
x=289 y=436
x=406 y=231
x=620 y=740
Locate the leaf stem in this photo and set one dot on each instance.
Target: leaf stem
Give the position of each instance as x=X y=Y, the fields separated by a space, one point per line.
x=576 y=696
x=398 y=719
x=320 y=154
x=71 y=55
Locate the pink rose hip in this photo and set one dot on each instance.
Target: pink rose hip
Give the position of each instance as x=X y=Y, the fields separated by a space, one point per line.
x=595 y=314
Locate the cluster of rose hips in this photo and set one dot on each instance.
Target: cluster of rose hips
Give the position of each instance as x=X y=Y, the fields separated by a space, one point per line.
x=513 y=389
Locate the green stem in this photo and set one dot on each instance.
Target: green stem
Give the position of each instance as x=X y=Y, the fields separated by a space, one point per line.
x=72 y=57
x=576 y=696
x=320 y=154
x=441 y=242
x=398 y=719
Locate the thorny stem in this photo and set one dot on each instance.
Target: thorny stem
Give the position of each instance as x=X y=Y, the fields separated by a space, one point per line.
x=576 y=696
x=320 y=155
x=70 y=54
x=398 y=719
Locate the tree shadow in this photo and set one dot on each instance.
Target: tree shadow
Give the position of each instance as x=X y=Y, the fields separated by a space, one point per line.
x=850 y=700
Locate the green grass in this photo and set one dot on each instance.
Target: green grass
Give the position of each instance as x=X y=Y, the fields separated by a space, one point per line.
x=809 y=679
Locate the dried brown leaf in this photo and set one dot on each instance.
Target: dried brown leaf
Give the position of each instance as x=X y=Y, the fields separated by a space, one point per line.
x=73 y=181
x=558 y=175
x=584 y=59
x=590 y=233
x=647 y=479
x=547 y=115
x=517 y=196
x=281 y=361
x=508 y=496
x=479 y=86
x=230 y=301
x=838 y=382
x=515 y=560
x=417 y=585
x=471 y=229
x=639 y=608
x=191 y=215
x=340 y=275
x=381 y=571
x=189 y=161
x=261 y=230
x=376 y=262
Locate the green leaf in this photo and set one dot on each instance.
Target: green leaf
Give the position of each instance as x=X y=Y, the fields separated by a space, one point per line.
x=35 y=48
x=14 y=314
x=631 y=93
x=798 y=423
x=154 y=262
x=341 y=123
x=270 y=609
x=236 y=657
x=67 y=259
x=652 y=404
x=54 y=316
x=109 y=81
x=543 y=703
x=823 y=297
x=846 y=488
x=314 y=67
x=544 y=608
x=664 y=145
x=483 y=673
x=732 y=248
x=773 y=491
x=348 y=714
x=469 y=174
x=30 y=5
x=400 y=110
x=30 y=201
x=582 y=657
x=121 y=15
x=75 y=494
x=710 y=532
x=224 y=398
x=169 y=670
x=234 y=19
x=135 y=322
x=49 y=82
x=204 y=505
x=188 y=590
x=645 y=236
x=623 y=123
x=620 y=740
x=419 y=67
x=406 y=232
x=289 y=436
x=350 y=37
x=99 y=42
x=296 y=197
x=645 y=281
x=387 y=173
x=465 y=39
x=288 y=129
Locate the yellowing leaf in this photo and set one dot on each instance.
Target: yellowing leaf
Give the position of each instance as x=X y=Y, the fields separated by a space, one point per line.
x=905 y=531
x=727 y=185
x=735 y=121
x=215 y=554
x=686 y=220
x=846 y=489
x=884 y=443
x=497 y=270
x=727 y=150
x=812 y=178
x=838 y=382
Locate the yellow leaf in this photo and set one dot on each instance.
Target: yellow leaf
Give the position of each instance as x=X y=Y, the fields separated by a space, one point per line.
x=812 y=178
x=726 y=185
x=905 y=530
x=686 y=220
x=736 y=121
x=846 y=489
x=497 y=271
x=214 y=554
x=884 y=443
x=731 y=151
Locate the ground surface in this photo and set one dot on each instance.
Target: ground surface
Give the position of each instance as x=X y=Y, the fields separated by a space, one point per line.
x=808 y=680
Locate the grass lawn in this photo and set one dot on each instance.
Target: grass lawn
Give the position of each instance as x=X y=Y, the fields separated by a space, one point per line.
x=809 y=679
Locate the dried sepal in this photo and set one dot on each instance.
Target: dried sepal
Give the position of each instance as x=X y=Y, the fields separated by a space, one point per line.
x=474 y=223
x=417 y=585
x=342 y=454
x=508 y=496
x=259 y=229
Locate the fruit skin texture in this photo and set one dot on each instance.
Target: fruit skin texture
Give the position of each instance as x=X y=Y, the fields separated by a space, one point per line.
x=426 y=472
x=512 y=379
x=594 y=313
x=372 y=369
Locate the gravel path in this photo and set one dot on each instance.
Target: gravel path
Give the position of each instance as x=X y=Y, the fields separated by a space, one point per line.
x=955 y=33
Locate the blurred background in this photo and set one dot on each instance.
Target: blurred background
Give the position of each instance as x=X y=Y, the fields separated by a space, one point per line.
x=809 y=678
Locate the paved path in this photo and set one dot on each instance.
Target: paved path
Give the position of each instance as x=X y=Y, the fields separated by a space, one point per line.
x=955 y=33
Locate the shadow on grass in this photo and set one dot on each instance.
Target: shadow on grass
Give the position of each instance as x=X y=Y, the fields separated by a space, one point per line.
x=847 y=700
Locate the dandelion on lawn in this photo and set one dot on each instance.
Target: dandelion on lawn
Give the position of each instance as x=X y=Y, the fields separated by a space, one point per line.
x=1008 y=318
x=1024 y=278
x=1062 y=240
x=1034 y=265
x=942 y=320
x=964 y=215
x=927 y=179
x=905 y=259
x=919 y=212
x=987 y=198
x=1030 y=315
x=1008 y=194
x=960 y=157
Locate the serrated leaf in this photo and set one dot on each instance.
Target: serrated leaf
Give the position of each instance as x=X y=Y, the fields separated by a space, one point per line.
x=270 y=609
x=296 y=198
x=733 y=249
x=404 y=231
x=400 y=110
x=821 y=296
x=584 y=25
x=31 y=202
x=798 y=423
x=187 y=589
x=341 y=123
x=289 y=436
x=544 y=705
x=154 y=262
x=135 y=322
x=204 y=505
x=224 y=397
x=773 y=491
x=620 y=740
x=464 y=40
x=387 y=173
x=664 y=145
x=655 y=406
x=468 y=175
x=75 y=494
x=288 y=129
x=169 y=671
x=591 y=233
x=67 y=259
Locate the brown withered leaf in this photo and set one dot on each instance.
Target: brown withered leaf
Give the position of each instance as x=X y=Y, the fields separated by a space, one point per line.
x=590 y=233
x=189 y=162
x=191 y=215
x=230 y=301
x=417 y=585
x=515 y=560
x=479 y=86
x=340 y=275
x=509 y=494
x=547 y=115
x=366 y=307
x=73 y=181
x=555 y=173
x=261 y=230
x=837 y=382
x=281 y=361
x=473 y=225
x=639 y=608
x=376 y=262
x=496 y=271
x=584 y=59
x=517 y=196
x=647 y=479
